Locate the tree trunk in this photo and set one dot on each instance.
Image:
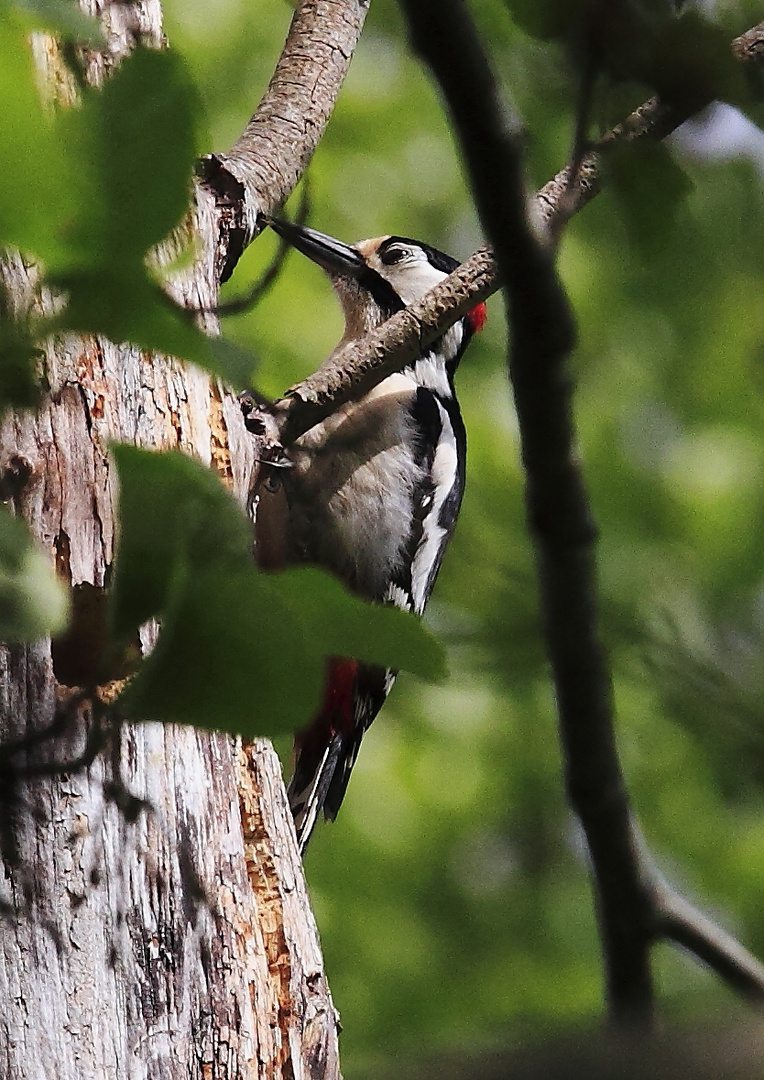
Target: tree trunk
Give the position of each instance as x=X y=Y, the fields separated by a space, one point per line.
x=155 y=917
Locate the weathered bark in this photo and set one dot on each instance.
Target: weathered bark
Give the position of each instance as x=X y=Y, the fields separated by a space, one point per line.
x=270 y=156
x=154 y=920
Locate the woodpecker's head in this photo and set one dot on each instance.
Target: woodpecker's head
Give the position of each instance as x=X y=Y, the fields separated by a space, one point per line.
x=375 y=278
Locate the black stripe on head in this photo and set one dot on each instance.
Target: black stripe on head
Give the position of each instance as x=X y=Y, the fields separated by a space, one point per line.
x=436 y=258
x=381 y=291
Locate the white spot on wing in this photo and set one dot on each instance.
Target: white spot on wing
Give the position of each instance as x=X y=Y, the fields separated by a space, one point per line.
x=434 y=536
x=307 y=801
x=398 y=596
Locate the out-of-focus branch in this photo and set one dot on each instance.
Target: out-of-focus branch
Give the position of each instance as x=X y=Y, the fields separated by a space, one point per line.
x=681 y=922
x=364 y=363
x=266 y=162
x=542 y=335
x=635 y=905
x=562 y=197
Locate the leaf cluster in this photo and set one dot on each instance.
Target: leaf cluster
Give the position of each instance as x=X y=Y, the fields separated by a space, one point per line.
x=90 y=191
x=239 y=650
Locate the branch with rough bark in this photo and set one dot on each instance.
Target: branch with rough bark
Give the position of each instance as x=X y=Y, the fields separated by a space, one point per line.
x=265 y=164
x=365 y=362
x=635 y=906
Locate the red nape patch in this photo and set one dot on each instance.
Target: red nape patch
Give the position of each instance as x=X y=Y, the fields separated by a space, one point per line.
x=477 y=318
x=339 y=695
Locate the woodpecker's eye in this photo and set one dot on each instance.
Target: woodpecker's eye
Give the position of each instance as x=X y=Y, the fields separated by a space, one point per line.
x=272 y=483
x=394 y=254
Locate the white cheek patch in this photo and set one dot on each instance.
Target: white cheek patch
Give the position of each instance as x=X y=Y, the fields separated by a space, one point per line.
x=412 y=280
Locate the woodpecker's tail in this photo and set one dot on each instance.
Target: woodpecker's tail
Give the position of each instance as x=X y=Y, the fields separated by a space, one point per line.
x=326 y=750
x=309 y=786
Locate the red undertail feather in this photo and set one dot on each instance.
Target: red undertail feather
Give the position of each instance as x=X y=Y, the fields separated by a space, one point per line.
x=320 y=747
x=338 y=695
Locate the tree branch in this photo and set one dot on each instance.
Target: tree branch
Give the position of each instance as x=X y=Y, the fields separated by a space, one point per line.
x=562 y=197
x=635 y=905
x=266 y=162
x=542 y=335
x=681 y=922
x=362 y=364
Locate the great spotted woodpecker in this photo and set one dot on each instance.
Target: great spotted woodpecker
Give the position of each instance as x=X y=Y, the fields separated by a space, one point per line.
x=371 y=494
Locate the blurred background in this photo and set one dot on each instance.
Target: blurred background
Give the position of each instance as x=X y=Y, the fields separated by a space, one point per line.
x=452 y=894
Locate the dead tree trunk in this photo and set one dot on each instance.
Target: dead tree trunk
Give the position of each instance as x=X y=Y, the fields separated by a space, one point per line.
x=155 y=921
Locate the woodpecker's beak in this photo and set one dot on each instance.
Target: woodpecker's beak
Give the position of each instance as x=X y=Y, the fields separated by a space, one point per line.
x=330 y=254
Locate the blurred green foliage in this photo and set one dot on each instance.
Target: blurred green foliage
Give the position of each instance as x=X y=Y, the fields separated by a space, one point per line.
x=452 y=893
x=117 y=170
x=33 y=601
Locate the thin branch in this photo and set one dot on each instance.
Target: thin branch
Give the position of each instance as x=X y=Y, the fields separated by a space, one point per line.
x=562 y=196
x=681 y=922
x=365 y=362
x=265 y=164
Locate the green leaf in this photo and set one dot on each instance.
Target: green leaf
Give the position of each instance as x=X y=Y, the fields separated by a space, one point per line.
x=232 y=656
x=19 y=356
x=232 y=362
x=64 y=18
x=239 y=650
x=33 y=602
x=693 y=62
x=35 y=173
x=348 y=626
x=651 y=189
x=18 y=359
x=134 y=143
x=175 y=519
x=124 y=304
x=245 y=652
x=547 y=19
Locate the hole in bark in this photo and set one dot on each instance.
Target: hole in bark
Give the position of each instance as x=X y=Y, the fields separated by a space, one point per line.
x=82 y=654
x=14 y=478
x=63 y=555
x=229 y=196
x=78 y=653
